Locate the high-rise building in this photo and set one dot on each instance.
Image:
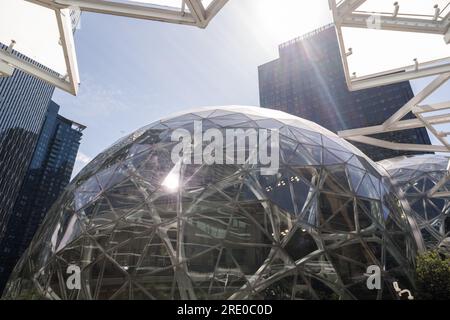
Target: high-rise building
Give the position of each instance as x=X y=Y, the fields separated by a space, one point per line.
x=49 y=173
x=308 y=81
x=23 y=104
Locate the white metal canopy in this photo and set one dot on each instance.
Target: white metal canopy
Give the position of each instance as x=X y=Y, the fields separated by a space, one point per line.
x=381 y=41
x=42 y=30
x=28 y=30
x=384 y=42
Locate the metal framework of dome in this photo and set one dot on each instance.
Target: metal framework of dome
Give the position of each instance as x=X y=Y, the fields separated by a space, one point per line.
x=392 y=36
x=424 y=180
x=227 y=232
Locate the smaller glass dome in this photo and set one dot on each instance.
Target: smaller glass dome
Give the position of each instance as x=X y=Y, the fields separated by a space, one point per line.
x=425 y=183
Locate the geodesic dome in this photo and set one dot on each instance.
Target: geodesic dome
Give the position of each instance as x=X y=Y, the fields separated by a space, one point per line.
x=140 y=226
x=424 y=180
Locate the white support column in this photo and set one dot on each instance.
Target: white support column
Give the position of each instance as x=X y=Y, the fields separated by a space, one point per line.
x=431 y=107
x=398 y=126
x=395 y=24
x=214 y=8
x=398 y=146
x=425 y=93
x=68 y=44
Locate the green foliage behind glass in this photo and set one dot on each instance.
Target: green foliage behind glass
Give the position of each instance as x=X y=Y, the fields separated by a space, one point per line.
x=433 y=276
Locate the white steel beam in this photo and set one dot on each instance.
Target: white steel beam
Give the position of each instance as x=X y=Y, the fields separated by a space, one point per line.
x=359 y=20
x=395 y=77
x=433 y=191
x=197 y=15
x=398 y=126
x=68 y=44
x=442 y=194
x=430 y=127
x=131 y=11
x=346 y=13
x=68 y=82
x=398 y=146
x=431 y=107
x=36 y=71
x=422 y=95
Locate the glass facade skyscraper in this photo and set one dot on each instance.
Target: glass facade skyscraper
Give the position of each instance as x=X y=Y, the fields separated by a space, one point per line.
x=49 y=173
x=23 y=104
x=308 y=81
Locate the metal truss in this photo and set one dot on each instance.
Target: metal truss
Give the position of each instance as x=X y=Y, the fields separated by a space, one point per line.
x=346 y=14
x=424 y=182
x=9 y=59
x=191 y=13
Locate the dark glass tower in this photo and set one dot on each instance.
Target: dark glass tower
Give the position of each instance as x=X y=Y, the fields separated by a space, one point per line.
x=308 y=81
x=49 y=173
x=23 y=104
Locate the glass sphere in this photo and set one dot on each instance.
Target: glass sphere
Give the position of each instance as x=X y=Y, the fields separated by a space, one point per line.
x=135 y=225
x=424 y=182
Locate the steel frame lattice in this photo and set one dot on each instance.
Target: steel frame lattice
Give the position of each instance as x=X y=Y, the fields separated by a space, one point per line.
x=227 y=232
x=346 y=14
x=425 y=183
x=191 y=12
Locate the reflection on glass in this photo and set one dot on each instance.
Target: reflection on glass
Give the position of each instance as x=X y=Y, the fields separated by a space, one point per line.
x=424 y=181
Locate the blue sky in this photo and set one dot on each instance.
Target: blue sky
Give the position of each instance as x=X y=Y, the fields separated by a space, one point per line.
x=134 y=72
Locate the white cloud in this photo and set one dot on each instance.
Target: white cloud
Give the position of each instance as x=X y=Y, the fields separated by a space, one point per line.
x=81 y=161
x=83 y=158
